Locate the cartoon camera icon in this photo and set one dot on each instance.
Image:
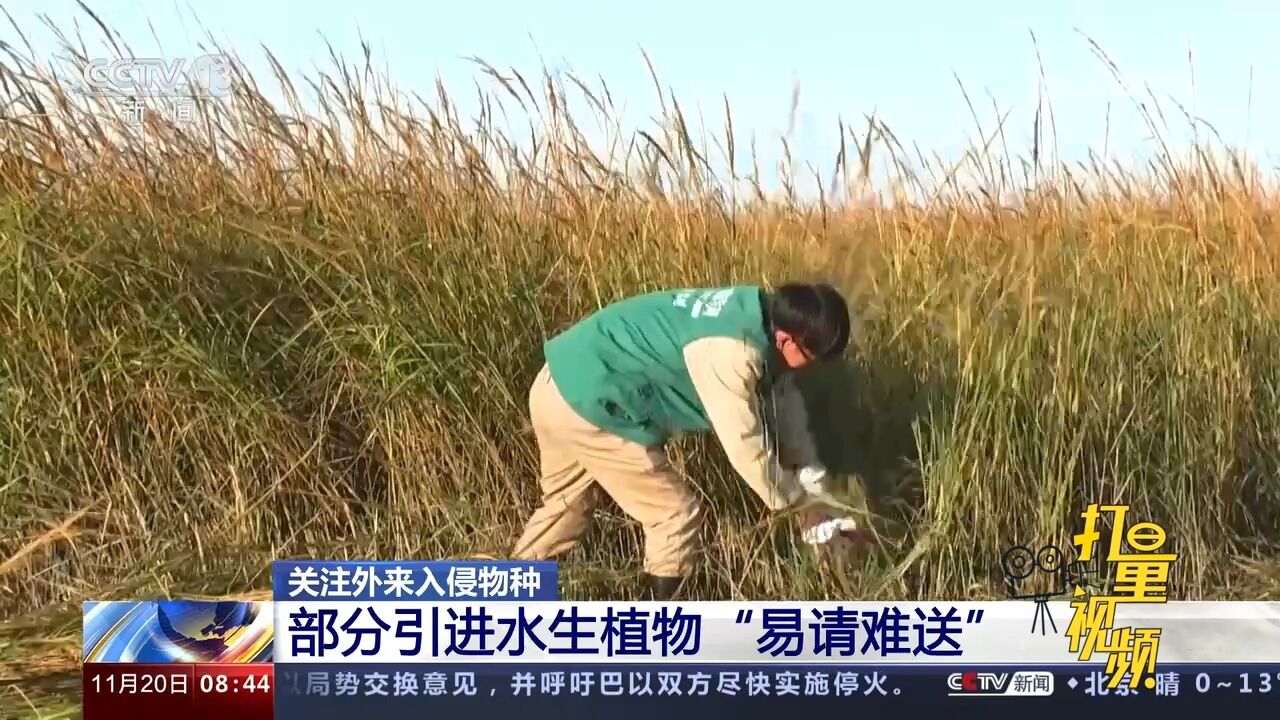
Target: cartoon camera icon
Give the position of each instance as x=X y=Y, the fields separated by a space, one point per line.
x=1021 y=564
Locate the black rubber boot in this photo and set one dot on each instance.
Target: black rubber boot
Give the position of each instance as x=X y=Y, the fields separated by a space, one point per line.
x=657 y=587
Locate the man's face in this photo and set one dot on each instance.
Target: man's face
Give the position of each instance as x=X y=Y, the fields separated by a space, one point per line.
x=793 y=354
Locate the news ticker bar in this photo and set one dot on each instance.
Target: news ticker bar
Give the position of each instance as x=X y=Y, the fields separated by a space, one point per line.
x=403 y=691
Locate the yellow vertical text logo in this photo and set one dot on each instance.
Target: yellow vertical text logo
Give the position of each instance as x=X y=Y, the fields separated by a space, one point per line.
x=1141 y=575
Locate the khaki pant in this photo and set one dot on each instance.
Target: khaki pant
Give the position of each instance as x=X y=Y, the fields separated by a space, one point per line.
x=578 y=459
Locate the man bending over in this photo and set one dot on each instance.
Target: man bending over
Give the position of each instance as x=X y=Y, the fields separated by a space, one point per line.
x=622 y=382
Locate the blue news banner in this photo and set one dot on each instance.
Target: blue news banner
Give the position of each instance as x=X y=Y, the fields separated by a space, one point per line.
x=490 y=639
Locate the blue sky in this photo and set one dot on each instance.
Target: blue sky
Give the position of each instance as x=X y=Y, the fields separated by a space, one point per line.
x=897 y=59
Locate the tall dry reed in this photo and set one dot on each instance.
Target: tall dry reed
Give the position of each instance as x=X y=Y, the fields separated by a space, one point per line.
x=307 y=329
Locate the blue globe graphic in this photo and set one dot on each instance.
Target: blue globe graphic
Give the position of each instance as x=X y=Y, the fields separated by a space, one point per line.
x=201 y=630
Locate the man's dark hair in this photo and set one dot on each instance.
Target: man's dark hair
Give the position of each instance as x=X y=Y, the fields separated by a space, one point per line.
x=816 y=315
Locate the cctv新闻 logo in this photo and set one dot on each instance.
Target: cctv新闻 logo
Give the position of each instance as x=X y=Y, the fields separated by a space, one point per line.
x=989 y=683
x=205 y=75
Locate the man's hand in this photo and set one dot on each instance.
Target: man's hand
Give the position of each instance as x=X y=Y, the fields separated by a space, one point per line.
x=811 y=479
x=821 y=527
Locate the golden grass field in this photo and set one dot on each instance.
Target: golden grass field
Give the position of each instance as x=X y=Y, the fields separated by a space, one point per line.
x=266 y=334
